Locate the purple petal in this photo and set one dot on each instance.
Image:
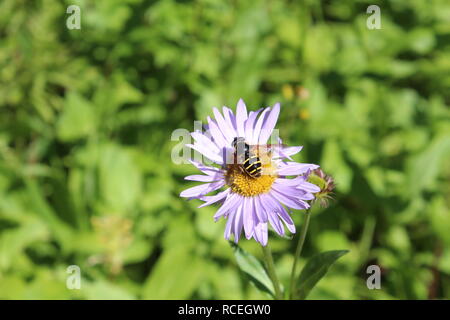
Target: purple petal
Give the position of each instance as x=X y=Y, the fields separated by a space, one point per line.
x=204 y=141
x=287 y=190
x=283 y=214
x=294 y=182
x=230 y=119
x=258 y=126
x=213 y=199
x=207 y=153
x=307 y=186
x=294 y=168
x=250 y=124
x=227 y=131
x=230 y=221
x=238 y=223
x=292 y=191
x=290 y=151
x=276 y=223
x=257 y=234
x=287 y=152
x=248 y=217
x=203 y=178
x=272 y=206
x=241 y=117
x=205 y=169
x=289 y=201
x=259 y=208
x=261 y=233
x=306 y=196
x=202 y=189
x=217 y=134
x=269 y=124
x=228 y=206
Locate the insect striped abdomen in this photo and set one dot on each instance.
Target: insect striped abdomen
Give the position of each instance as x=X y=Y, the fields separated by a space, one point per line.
x=252 y=165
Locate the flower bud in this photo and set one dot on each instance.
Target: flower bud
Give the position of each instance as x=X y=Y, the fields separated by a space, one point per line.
x=326 y=185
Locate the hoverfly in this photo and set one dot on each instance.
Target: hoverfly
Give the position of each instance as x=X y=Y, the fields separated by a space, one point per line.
x=251 y=158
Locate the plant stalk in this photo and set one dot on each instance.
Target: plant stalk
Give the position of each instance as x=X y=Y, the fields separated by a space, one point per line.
x=268 y=259
x=298 y=252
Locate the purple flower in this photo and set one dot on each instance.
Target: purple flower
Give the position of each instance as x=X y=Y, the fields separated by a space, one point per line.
x=249 y=203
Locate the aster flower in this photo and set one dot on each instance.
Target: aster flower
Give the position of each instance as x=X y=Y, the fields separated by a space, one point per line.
x=249 y=204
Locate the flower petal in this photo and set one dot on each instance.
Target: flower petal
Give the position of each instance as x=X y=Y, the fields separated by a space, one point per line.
x=294 y=168
x=213 y=199
x=205 y=141
x=238 y=223
x=282 y=213
x=258 y=126
x=287 y=152
x=248 y=217
x=230 y=119
x=257 y=234
x=293 y=191
x=269 y=124
x=216 y=134
x=259 y=209
x=241 y=117
x=229 y=205
x=250 y=124
x=261 y=233
x=289 y=201
x=307 y=186
x=228 y=227
x=205 y=169
x=206 y=153
x=294 y=182
x=306 y=196
x=272 y=206
x=276 y=223
x=290 y=151
x=227 y=131
x=203 y=178
x=202 y=189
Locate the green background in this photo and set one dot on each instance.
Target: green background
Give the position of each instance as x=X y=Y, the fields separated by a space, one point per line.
x=86 y=118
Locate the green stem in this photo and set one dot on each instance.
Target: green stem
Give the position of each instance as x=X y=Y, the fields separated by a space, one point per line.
x=298 y=251
x=268 y=259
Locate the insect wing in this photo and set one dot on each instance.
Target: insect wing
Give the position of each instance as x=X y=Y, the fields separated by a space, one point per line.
x=275 y=150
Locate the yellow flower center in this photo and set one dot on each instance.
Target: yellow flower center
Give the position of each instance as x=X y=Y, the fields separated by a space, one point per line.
x=241 y=183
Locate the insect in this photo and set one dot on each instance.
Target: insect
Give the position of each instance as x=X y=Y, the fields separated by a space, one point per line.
x=251 y=158
x=246 y=157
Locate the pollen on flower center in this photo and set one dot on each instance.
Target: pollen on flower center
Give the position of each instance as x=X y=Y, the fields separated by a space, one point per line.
x=241 y=183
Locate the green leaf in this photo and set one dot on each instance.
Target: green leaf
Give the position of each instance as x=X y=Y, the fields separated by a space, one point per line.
x=120 y=179
x=314 y=270
x=105 y=290
x=423 y=168
x=253 y=269
x=78 y=119
x=176 y=275
x=333 y=161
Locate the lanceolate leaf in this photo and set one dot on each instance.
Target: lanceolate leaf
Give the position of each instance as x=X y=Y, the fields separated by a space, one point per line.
x=253 y=269
x=314 y=270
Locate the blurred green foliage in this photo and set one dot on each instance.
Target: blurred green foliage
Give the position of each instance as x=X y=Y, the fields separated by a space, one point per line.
x=87 y=116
